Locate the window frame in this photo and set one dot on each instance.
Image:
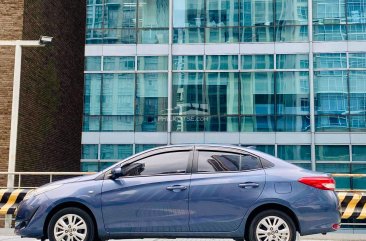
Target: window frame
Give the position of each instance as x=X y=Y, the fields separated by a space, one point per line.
x=151 y=153
x=225 y=150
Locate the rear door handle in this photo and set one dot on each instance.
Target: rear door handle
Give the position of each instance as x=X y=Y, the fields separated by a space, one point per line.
x=176 y=188
x=248 y=185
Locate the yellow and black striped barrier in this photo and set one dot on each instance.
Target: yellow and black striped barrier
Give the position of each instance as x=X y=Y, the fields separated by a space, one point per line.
x=353 y=204
x=10 y=199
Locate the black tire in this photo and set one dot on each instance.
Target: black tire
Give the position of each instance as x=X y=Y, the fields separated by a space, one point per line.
x=252 y=235
x=78 y=214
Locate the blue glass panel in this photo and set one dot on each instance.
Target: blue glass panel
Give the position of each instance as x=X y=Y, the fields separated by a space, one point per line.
x=249 y=62
x=89 y=167
x=292 y=123
x=89 y=151
x=222 y=123
x=222 y=13
x=189 y=13
x=151 y=94
x=257 y=124
x=94 y=14
x=357 y=60
x=330 y=123
x=113 y=152
x=94 y=36
x=356 y=11
x=118 y=94
x=222 y=93
x=294 y=152
x=289 y=33
x=257 y=34
x=188 y=35
x=221 y=62
x=331 y=92
x=120 y=14
x=358 y=183
x=188 y=123
x=356 y=32
x=145 y=147
x=269 y=149
x=291 y=12
x=151 y=123
x=256 y=12
x=357 y=88
x=123 y=63
x=152 y=63
x=222 y=35
x=153 y=36
x=91 y=123
x=119 y=36
x=330 y=33
x=341 y=182
x=193 y=62
x=117 y=123
x=153 y=14
x=332 y=153
x=257 y=93
x=358 y=123
x=93 y=63
x=92 y=92
x=292 y=93
x=329 y=11
x=330 y=61
x=359 y=153
x=292 y=61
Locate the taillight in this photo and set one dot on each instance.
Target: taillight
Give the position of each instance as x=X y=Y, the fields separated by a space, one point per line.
x=323 y=183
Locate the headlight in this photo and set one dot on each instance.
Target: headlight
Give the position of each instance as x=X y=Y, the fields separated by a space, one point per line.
x=40 y=190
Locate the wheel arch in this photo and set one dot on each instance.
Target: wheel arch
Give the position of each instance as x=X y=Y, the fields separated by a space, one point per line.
x=70 y=204
x=269 y=206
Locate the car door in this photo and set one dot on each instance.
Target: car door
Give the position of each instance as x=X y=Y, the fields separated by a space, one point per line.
x=152 y=196
x=224 y=185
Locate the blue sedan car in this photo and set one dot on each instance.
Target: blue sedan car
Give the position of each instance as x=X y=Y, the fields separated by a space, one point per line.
x=185 y=191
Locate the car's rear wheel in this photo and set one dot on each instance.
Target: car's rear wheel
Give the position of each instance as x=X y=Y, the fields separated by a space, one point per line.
x=71 y=224
x=272 y=225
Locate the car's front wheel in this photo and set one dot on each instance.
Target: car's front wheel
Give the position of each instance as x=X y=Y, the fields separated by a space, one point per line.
x=272 y=225
x=71 y=224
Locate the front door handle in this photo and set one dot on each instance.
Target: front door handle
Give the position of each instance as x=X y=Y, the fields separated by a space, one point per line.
x=248 y=185
x=176 y=188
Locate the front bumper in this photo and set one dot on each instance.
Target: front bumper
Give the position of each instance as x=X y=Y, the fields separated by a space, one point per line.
x=31 y=216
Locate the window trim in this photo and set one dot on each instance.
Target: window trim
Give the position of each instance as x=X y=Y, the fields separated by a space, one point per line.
x=232 y=151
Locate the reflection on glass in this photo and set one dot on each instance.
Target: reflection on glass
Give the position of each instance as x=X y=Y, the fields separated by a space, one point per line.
x=92 y=63
x=118 y=94
x=292 y=93
x=188 y=35
x=120 y=14
x=115 y=152
x=257 y=93
x=332 y=153
x=226 y=162
x=222 y=13
x=292 y=61
x=249 y=62
x=357 y=60
x=117 y=123
x=257 y=34
x=188 y=123
x=89 y=151
x=357 y=87
x=94 y=14
x=222 y=93
x=331 y=92
x=291 y=12
x=330 y=33
x=221 y=62
x=294 y=153
x=89 y=167
x=358 y=183
x=332 y=123
x=359 y=153
x=292 y=123
x=356 y=11
x=94 y=36
x=291 y=33
x=189 y=13
x=153 y=13
x=153 y=36
x=150 y=123
x=330 y=61
x=145 y=147
x=123 y=63
x=356 y=32
x=256 y=12
x=257 y=124
x=358 y=123
x=151 y=94
x=92 y=92
x=120 y=36
x=269 y=149
x=152 y=63
x=91 y=123
x=188 y=62
x=329 y=12
x=222 y=123
x=222 y=35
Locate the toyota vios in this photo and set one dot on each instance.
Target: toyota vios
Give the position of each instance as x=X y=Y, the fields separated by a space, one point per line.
x=185 y=191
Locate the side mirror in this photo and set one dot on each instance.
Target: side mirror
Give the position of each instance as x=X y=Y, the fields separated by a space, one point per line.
x=116 y=172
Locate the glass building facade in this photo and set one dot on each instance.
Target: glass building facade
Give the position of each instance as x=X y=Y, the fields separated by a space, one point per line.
x=285 y=76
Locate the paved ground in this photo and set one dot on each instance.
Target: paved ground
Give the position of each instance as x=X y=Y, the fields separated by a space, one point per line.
x=342 y=235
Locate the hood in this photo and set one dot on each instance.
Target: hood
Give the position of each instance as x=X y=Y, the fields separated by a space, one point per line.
x=75 y=179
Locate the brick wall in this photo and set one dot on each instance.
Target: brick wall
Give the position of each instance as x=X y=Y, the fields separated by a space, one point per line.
x=11 y=24
x=51 y=93
x=51 y=98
